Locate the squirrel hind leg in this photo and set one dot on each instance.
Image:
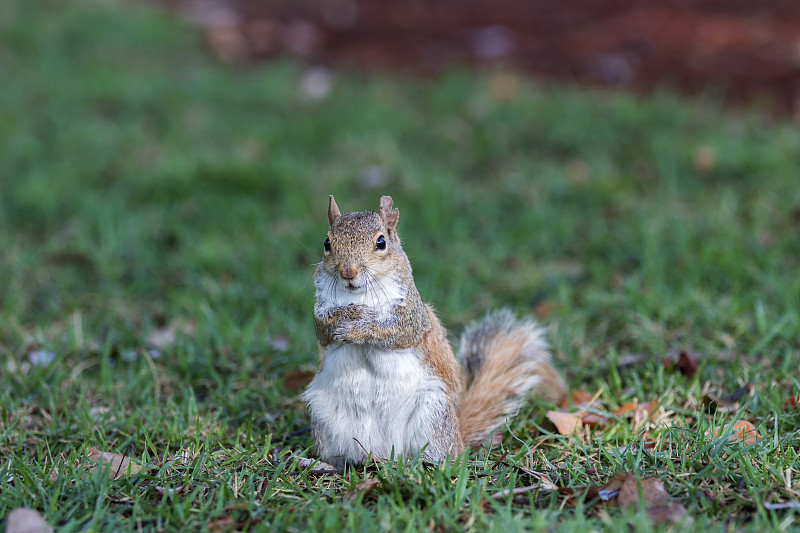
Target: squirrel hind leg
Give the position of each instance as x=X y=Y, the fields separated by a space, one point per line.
x=505 y=360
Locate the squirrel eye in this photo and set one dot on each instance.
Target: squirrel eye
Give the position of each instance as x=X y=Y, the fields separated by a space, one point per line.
x=380 y=244
x=327 y=244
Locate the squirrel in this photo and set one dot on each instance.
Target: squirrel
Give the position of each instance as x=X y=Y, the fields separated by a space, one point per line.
x=388 y=382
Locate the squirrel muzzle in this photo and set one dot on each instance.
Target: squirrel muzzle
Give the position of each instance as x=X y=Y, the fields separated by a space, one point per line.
x=349 y=272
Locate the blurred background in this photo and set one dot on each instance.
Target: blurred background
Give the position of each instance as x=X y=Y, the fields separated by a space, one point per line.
x=740 y=50
x=624 y=170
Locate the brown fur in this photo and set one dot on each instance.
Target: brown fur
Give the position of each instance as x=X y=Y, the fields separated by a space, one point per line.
x=504 y=360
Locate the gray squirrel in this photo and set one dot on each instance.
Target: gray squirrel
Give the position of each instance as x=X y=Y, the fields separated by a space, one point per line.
x=388 y=379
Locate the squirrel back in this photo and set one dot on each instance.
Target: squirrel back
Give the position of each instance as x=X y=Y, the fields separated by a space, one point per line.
x=389 y=382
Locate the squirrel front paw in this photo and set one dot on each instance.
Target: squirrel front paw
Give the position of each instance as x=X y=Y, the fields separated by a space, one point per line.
x=354 y=328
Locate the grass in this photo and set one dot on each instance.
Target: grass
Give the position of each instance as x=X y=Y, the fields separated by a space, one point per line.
x=148 y=189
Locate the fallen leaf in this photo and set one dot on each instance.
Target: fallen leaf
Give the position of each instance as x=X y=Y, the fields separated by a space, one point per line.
x=593 y=419
x=660 y=506
x=577 y=398
x=23 y=520
x=612 y=487
x=743 y=431
x=578 y=494
x=118 y=465
x=582 y=401
x=297 y=379
x=687 y=364
x=637 y=411
x=565 y=423
x=362 y=488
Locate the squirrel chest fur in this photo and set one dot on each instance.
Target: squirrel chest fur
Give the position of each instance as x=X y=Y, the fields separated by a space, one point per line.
x=389 y=382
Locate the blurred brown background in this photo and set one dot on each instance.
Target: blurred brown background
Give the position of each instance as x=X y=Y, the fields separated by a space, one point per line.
x=739 y=49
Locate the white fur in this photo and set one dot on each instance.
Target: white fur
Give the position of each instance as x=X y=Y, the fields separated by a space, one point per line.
x=365 y=399
x=381 y=295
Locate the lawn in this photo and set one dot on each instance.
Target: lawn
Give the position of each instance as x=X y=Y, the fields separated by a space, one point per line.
x=161 y=214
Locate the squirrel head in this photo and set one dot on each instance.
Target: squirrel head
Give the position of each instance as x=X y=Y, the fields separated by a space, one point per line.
x=363 y=241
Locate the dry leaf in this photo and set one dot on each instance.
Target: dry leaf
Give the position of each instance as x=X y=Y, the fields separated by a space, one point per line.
x=660 y=506
x=297 y=379
x=687 y=364
x=717 y=404
x=594 y=420
x=23 y=520
x=118 y=465
x=577 y=398
x=566 y=423
x=743 y=431
x=362 y=488
x=612 y=487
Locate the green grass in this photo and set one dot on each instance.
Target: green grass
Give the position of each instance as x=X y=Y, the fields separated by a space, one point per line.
x=144 y=184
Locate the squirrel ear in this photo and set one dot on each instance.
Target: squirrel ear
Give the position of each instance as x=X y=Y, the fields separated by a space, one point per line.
x=388 y=215
x=333 y=211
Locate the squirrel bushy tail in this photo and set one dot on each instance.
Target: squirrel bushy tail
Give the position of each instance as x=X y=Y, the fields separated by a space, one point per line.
x=505 y=361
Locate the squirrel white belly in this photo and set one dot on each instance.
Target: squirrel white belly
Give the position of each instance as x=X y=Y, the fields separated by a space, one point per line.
x=389 y=382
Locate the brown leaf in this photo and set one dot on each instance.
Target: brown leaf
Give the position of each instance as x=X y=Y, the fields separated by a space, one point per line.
x=565 y=423
x=660 y=506
x=23 y=520
x=362 y=488
x=717 y=404
x=687 y=364
x=582 y=401
x=297 y=379
x=118 y=465
x=578 y=494
x=612 y=487
x=637 y=411
x=577 y=398
x=743 y=431
x=594 y=420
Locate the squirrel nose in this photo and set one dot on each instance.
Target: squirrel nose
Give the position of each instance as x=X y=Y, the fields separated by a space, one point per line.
x=348 y=272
